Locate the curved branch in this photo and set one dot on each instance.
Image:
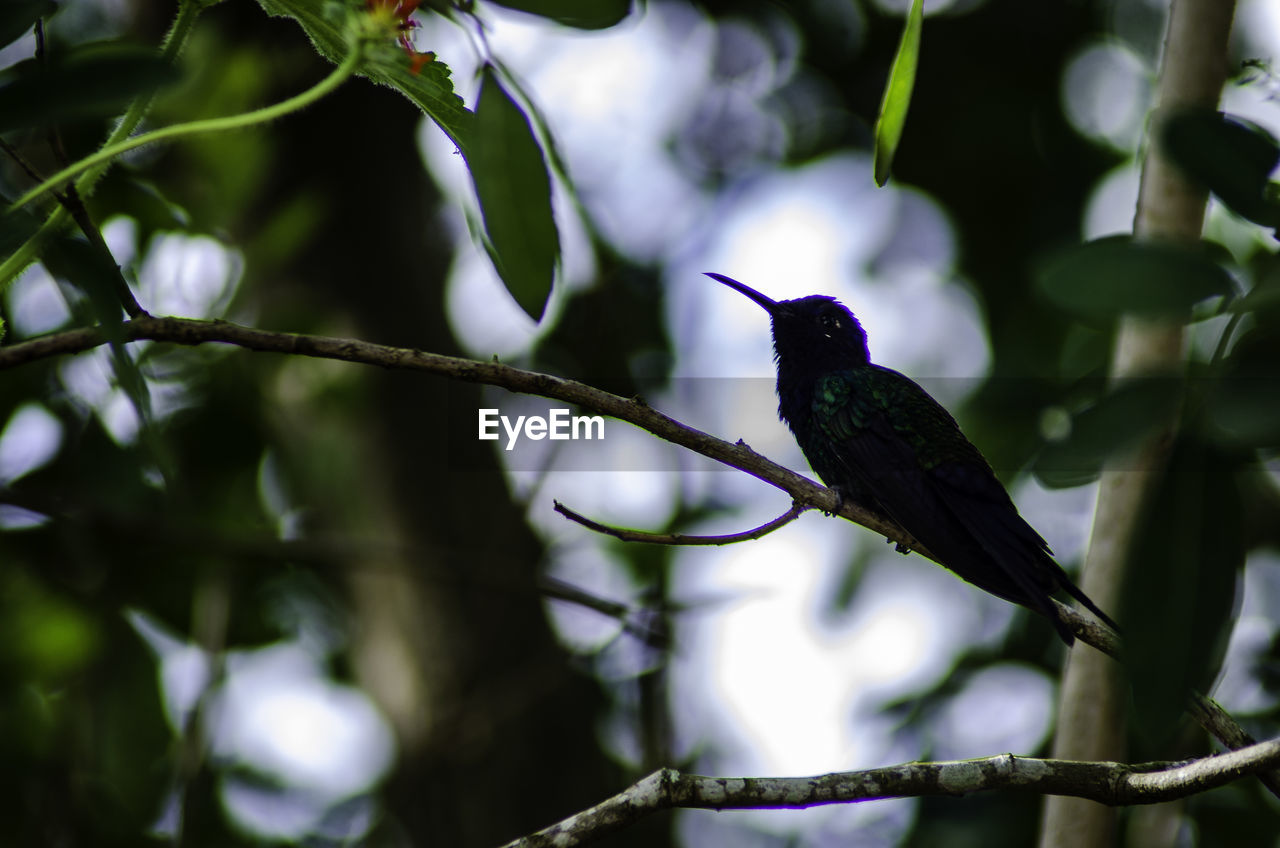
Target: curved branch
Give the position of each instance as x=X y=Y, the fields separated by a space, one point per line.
x=186 y=331
x=1107 y=783
x=681 y=538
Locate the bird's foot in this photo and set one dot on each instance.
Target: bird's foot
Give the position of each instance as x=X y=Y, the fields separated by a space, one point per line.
x=841 y=500
x=898 y=546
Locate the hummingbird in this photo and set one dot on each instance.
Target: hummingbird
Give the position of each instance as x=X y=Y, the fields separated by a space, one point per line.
x=879 y=439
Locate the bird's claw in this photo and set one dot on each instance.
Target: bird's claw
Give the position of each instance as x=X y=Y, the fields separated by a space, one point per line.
x=840 y=502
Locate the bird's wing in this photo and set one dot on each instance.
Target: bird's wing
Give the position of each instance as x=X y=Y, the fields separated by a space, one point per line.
x=903 y=446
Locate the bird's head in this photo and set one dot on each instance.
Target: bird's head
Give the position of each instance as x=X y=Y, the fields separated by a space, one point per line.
x=814 y=332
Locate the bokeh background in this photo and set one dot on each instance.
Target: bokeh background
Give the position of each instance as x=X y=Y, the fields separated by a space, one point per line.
x=347 y=620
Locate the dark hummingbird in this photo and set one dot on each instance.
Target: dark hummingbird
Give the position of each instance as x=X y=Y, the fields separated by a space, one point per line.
x=880 y=440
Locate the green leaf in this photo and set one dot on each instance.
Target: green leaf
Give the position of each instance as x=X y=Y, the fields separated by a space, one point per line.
x=1177 y=602
x=431 y=88
x=18 y=16
x=1244 y=402
x=1117 y=422
x=91 y=81
x=1231 y=157
x=1112 y=276
x=897 y=93
x=582 y=14
x=514 y=190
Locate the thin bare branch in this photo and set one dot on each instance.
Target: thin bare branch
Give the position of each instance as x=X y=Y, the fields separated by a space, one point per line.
x=1210 y=715
x=1088 y=630
x=186 y=331
x=681 y=538
x=645 y=624
x=1105 y=782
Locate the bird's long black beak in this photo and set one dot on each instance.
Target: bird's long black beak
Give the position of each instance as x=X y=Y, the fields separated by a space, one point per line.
x=770 y=306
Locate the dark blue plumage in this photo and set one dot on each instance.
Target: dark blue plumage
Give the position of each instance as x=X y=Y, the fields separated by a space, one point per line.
x=878 y=438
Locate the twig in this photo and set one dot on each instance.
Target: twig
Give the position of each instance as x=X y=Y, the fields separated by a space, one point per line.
x=1105 y=782
x=681 y=538
x=1085 y=628
x=186 y=331
x=1210 y=715
x=1088 y=630
x=639 y=622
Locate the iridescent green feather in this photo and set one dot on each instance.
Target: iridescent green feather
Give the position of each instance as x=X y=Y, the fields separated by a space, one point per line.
x=850 y=402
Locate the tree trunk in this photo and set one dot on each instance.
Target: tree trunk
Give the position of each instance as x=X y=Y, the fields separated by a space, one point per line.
x=1091 y=715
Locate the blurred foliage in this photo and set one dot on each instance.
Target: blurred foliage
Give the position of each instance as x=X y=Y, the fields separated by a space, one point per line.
x=93 y=81
x=1114 y=276
x=1179 y=600
x=1232 y=158
x=585 y=14
x=245 y=500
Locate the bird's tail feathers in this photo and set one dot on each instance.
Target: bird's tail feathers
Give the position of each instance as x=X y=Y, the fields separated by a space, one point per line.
x=1011 y=546
x=1074 y=591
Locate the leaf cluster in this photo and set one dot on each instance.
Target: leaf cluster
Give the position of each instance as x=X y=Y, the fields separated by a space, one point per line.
x=1189 y=545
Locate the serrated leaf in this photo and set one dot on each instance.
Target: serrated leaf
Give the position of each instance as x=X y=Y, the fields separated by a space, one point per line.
x=1118 y=275
x=897 y=94
x=431 y=88
x=1231 y=157
x=1177 y=603
x=514 y=189
x=18 y=16
x=1116 y=423
x=92 y=81
x=582 y=14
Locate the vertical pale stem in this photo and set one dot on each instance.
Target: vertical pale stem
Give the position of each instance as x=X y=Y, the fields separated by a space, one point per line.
x=1091 y=706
